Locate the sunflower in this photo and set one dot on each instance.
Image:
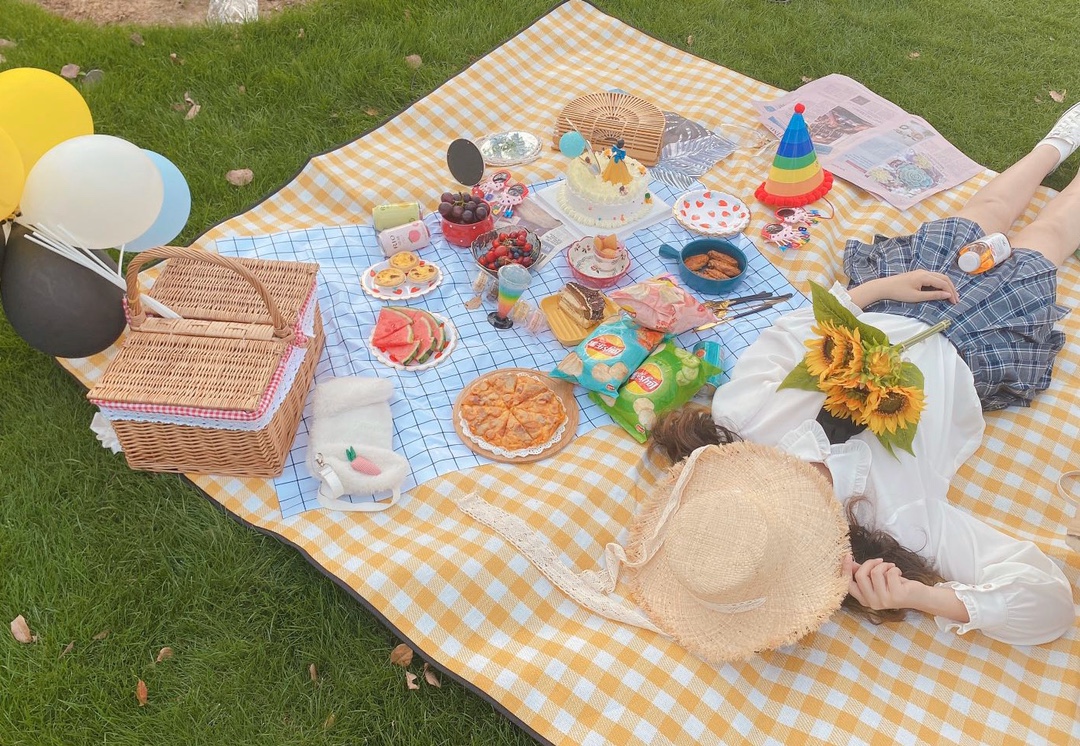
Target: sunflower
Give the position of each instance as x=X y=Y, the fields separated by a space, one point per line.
x=836 y=354
x=896 y=408
x=881 y=363
x=847 y=401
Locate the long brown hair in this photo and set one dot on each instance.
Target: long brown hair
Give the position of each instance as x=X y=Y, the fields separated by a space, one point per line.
x=682 y=431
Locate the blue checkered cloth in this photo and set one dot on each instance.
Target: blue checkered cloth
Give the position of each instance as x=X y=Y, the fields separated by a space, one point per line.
x=1003 y=325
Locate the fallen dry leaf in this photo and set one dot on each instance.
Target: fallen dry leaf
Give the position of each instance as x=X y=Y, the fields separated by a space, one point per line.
x=300 y=34
x=371 y=112
x=690 y=40
x=92 y=77
x=414 y=61
x=179 y=107
x=806 y=79
x=20 y=630
x=240 y=176
x=242 y=90
x=1059 y=97
x=408 y=14
x=101 y=635
x=330 y=721
x=67 y=649
x=314 y=674
x=410 y=680
x=69 y=71
x=401 y=655
x=431 y=677
x=7 y=43
x=137 y=39
x=177 y=59
x=140 y=693
x=194 y=108
x=1038 y=100
x=914 y=56
x=163 y=655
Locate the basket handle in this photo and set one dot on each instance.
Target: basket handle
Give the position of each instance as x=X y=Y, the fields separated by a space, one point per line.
x=281 y=331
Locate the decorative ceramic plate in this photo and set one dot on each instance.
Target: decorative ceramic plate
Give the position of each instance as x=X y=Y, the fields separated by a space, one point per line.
x=405 y=290
x=591 y=270
x=565 y=433
x=451 y=342
x=565 y=329
x=711 y=213
x=509 y=148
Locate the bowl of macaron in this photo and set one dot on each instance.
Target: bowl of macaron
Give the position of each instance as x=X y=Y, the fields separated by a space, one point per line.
x=509 y=245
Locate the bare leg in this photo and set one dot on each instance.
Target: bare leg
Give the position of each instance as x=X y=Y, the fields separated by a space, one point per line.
x=997 y=205
x=1055 y=233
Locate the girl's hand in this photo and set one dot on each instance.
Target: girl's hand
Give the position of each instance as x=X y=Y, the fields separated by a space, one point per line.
x=877 y=584
x=915 y=286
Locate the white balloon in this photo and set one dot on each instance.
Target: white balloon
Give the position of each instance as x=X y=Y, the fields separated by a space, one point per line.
x=94 y=191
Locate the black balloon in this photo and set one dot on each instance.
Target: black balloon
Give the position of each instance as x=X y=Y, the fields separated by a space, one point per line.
x=56 y=305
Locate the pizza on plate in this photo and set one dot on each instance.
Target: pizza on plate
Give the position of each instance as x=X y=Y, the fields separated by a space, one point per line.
x=512 y=411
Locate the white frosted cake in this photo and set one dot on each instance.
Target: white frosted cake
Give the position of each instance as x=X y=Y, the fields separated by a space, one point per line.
x=603 y=193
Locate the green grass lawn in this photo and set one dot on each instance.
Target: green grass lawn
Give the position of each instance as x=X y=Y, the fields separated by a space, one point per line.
x=87 y=545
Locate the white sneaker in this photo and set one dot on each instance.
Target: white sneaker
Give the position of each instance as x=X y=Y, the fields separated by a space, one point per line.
x=1065 y=134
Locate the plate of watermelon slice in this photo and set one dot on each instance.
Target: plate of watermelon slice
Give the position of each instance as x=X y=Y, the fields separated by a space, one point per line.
x=412 y=338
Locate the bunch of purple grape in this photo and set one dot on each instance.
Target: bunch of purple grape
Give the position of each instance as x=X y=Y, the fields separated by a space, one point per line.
x=461 y=207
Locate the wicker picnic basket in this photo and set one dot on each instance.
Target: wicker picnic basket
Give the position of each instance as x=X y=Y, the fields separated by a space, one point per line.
x=220 y=390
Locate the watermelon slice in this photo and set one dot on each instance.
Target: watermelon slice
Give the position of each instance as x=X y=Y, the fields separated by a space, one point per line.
x=390 y=320
x=423 y=327
x=439 y=333
x=403 y=354
x=404 y=335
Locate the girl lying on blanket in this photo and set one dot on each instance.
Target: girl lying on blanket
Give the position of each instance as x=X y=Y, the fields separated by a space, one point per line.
x=999 y=351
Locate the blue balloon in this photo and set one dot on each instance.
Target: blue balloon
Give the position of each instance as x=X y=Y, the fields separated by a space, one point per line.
x=175 y=207
x=572 y=144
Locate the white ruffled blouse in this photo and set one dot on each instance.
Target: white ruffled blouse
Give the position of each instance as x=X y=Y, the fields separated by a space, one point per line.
x=1013 y=592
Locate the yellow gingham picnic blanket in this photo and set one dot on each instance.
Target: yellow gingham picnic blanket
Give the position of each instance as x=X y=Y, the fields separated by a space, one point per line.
x=472 y=604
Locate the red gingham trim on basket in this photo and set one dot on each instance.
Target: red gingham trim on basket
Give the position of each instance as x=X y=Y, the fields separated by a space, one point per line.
x=230 y=415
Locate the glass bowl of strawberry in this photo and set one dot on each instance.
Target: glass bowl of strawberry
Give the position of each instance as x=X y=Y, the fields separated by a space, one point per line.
x=513 y=245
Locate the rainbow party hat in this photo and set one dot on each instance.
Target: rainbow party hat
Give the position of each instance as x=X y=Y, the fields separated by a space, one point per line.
x=796 y=178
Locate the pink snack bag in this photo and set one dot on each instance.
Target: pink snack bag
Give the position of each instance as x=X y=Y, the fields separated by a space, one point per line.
x=662 y=305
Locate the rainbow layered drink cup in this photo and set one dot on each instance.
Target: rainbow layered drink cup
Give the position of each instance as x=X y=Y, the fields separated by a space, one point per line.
x=513 y=280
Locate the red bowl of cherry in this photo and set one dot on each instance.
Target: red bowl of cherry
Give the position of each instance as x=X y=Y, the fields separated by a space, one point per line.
x=464 y=218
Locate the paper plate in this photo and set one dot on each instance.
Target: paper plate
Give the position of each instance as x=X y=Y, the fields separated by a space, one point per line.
x=711 y=213
x=403 y=291
x=451 y=342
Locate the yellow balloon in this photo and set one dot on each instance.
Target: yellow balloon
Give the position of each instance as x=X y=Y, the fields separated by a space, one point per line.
x=12 y=175
x=39 y=109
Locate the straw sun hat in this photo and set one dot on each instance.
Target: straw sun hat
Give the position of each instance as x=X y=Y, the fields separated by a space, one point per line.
x=738 y=551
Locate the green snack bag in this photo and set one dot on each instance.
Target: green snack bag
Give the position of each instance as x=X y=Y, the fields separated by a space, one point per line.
x=668 y=378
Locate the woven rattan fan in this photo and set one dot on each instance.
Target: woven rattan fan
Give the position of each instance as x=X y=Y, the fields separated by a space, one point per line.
x=603 y=118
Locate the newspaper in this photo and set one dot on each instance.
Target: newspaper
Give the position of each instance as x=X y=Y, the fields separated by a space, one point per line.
x=870 y=141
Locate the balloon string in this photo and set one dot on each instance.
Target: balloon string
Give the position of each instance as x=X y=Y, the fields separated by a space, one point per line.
x=94 y=263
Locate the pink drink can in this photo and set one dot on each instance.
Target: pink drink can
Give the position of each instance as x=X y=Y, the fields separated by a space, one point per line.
x=409 y=237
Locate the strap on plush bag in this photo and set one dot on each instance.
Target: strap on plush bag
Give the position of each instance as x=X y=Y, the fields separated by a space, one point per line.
x=331 y=489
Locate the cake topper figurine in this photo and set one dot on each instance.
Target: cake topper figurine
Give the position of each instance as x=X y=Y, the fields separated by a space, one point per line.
x=616 y=172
